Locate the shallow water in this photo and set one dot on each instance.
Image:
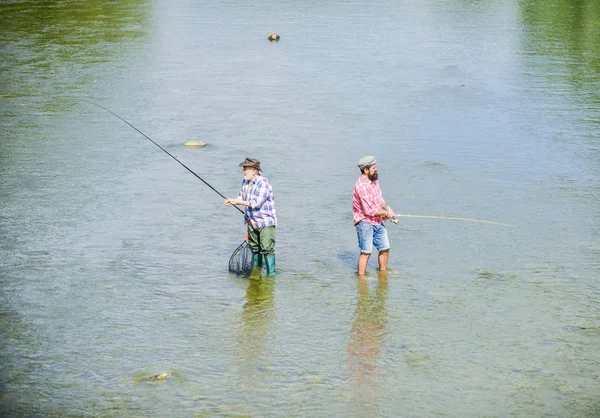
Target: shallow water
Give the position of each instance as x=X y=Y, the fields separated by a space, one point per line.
x=114 y=257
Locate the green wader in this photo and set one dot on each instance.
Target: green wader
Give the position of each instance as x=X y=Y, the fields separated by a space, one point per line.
x=262 y=243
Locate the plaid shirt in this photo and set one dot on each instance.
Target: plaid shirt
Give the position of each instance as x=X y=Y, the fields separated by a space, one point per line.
x=262 y=203
x=366 y=200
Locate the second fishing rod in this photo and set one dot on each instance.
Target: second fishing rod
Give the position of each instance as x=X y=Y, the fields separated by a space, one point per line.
x=164 y=150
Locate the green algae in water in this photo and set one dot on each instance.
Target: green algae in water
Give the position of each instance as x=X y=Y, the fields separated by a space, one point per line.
x=154 y=378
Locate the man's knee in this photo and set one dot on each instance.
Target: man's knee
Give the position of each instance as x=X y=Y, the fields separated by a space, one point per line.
x=267 y=240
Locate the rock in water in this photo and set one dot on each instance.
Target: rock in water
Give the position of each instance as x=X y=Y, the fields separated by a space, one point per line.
x=155 y=377
x=195 y=144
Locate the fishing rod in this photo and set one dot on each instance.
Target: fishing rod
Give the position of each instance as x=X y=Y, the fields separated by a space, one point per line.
x=167 y=152
x=450 y=218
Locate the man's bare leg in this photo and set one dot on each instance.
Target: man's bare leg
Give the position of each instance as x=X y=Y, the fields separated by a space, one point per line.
x=383 y=259
x=363 y=259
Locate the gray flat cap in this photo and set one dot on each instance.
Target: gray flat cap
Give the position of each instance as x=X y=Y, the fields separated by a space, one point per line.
x=366 y=161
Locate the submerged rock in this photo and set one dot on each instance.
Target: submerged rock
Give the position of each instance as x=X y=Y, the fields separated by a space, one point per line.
x=155 y=377
x=195 y=144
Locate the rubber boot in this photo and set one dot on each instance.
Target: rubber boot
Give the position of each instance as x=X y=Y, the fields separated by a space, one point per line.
x=270 y=262
x=257 y=260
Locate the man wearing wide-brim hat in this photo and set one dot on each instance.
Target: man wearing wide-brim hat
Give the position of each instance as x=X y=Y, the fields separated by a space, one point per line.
x=256 y=195
x=369 y=211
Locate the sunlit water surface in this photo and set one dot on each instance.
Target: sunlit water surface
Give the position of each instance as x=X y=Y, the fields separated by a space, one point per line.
x=114 y=258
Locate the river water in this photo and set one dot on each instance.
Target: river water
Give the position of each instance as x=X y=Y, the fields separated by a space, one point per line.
x=113 y=257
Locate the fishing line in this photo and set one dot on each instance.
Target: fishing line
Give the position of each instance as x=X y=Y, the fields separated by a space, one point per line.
x=167 y=152
x=453 y=219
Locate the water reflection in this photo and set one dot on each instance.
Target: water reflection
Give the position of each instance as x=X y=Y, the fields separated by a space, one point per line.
x=255 y=326
x=53 y=48
x=567 y=32
x=368 y=328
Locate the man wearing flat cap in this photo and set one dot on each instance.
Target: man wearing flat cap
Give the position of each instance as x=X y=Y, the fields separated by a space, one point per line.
x=369 y=211
x=256 y=195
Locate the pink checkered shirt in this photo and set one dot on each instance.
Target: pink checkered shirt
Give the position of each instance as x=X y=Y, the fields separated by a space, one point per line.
x=366 y=200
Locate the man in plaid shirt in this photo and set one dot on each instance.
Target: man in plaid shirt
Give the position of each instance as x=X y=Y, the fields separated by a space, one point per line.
x=256 y=195
x=369 y=211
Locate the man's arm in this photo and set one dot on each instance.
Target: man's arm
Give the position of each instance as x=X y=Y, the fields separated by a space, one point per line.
x=236 y=201
x=389 y=213
x=365 y=197
x=263 y=190
x=370 y=209
x=254 y=201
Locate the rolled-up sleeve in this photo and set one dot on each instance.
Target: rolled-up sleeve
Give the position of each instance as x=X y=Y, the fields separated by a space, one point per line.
x=261 y=193
x=366 y=200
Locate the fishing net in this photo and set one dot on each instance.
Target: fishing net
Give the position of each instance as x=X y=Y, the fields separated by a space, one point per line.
x=242 y=260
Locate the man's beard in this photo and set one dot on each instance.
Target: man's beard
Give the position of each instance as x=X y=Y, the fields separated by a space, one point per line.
x=373 y=177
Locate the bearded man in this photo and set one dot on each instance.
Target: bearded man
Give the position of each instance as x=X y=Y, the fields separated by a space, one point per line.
x=369 y=211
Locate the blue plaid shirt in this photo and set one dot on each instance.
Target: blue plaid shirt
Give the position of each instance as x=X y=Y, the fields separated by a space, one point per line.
x=262 y=203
